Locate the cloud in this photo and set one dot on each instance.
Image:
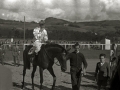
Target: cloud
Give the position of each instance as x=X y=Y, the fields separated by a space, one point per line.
x=72 y=10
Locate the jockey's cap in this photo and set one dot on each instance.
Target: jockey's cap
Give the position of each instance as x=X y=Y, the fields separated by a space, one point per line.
x=42 y=22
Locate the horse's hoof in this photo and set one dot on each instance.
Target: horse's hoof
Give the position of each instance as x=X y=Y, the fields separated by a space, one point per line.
x=22 y=89
x=41 y=88
x=52 y=89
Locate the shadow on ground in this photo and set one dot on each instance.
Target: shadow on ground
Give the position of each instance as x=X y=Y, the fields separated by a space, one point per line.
x=16 y=86
x=89 y=86
x=11 y=64
x=7 y=64
x=90 y=76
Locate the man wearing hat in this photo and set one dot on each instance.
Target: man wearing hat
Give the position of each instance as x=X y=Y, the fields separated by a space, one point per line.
x=76 y=60
x=40 y=35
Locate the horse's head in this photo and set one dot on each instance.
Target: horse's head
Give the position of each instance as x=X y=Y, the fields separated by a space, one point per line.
x=60 y=53
x=62 y=60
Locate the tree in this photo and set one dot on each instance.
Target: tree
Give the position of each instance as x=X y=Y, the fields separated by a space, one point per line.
x=17 y=34
x=9 y=34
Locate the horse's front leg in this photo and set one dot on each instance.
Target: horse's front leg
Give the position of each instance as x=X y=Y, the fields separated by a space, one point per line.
x=32 y=75
x=24 y=72
x=41 y=78
x=50 y=69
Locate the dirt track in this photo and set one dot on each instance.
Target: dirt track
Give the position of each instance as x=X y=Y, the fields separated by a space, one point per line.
x=63 y=79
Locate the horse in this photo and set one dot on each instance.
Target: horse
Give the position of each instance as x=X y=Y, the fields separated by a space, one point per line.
x=45 y=60
x=115 y=80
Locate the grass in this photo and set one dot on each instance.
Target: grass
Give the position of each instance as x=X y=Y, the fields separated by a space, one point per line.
x=94 y=54
x=89 y=54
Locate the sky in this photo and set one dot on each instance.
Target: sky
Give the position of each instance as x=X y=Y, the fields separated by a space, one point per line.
x=70 y=10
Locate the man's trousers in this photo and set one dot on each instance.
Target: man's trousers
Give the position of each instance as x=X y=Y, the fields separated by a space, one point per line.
x=75 y=78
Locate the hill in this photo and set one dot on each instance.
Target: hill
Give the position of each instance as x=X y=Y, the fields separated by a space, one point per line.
x=106 y=28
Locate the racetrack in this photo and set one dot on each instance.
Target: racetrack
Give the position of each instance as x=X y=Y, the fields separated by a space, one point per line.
x=63 y=79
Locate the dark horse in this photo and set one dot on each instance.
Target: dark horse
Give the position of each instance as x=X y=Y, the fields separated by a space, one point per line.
x=45 y=60
x=115 y=82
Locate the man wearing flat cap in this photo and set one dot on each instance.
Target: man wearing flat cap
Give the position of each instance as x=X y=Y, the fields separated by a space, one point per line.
x=76 y=60
x=40 y=35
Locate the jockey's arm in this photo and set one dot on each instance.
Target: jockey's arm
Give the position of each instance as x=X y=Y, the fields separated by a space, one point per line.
x=45 y=36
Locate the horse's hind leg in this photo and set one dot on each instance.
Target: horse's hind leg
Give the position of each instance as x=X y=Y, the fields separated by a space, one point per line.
x=32 y=75
x=24 y=72
x=50 y=69
x=41 y=78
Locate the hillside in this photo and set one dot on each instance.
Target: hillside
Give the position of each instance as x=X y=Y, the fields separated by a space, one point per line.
x=57 y=25
x=96 y=26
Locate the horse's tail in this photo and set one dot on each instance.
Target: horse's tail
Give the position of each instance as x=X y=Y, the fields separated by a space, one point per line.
x=26 y=60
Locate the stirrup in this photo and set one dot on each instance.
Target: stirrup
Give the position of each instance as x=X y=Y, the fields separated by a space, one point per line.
x=30 y=53
x=36 y=53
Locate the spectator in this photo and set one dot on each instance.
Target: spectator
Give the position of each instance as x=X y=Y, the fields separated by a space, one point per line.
x=2 y=53
x=76 y=60
x=102 y=72
x=16 y=54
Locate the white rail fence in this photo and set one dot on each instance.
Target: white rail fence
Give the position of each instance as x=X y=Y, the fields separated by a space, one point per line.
x=82 y=46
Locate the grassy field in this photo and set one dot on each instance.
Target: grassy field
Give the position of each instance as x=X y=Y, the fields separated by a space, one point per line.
x=89 y=54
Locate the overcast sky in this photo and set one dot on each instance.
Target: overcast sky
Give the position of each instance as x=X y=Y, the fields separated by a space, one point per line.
x=71 y=10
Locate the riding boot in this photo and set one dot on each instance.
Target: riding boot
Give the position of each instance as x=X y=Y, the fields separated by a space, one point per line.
x=32 y=50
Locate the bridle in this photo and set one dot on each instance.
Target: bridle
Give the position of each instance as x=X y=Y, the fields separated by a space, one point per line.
x=57 y=61
x=51 y=57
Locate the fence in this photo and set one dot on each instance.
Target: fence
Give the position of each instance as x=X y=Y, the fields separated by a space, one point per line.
x=82 y=46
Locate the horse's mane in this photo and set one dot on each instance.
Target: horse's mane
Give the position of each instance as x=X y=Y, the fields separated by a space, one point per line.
x=48 y=46
x=56 y=45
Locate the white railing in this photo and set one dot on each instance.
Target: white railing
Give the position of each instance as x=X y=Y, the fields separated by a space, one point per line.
x=88 y=45
x=69 y=45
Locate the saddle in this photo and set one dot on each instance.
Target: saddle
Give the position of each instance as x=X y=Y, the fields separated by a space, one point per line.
x=42 y=59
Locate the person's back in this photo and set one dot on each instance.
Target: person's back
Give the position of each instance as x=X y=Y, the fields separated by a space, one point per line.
x=15 y=50
x=16 y=53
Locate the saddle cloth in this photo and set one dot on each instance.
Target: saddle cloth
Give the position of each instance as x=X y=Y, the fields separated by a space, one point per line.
x=42 y=58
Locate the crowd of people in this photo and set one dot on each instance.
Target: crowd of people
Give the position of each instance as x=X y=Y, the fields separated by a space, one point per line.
x=15 y=52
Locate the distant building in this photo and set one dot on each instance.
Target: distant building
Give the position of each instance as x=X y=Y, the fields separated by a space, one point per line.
x=107 y=43
x=66 y=24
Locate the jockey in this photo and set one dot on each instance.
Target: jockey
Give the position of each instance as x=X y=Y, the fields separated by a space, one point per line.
x=41 y=36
